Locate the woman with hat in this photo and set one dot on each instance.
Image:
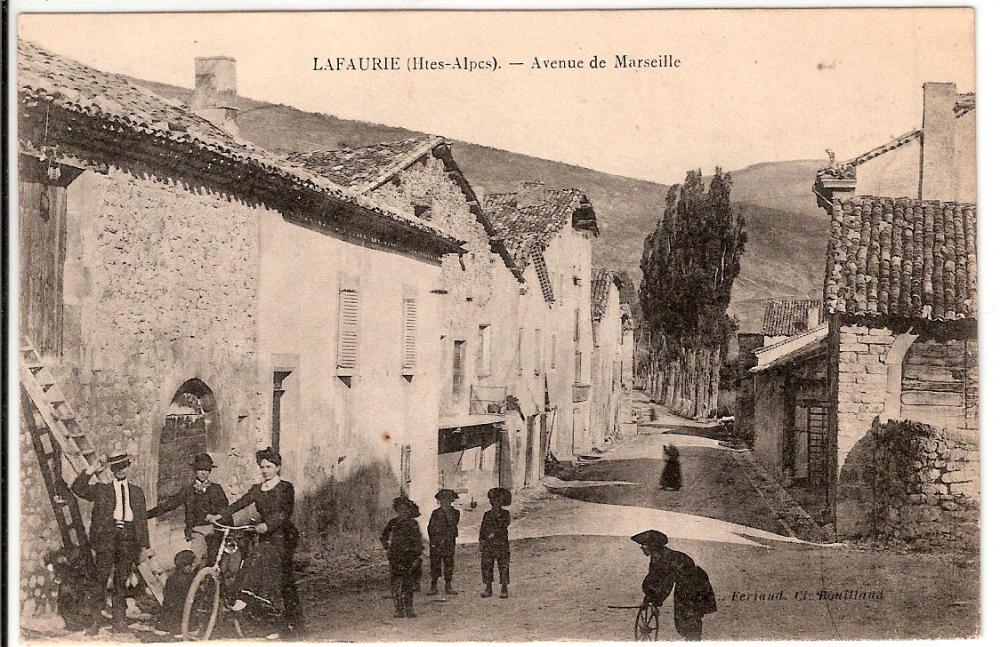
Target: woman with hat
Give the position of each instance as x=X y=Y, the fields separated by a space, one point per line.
x=442 y=530
x=271 y=567
x=674 y=570
x=118 y=531
x=200 y=498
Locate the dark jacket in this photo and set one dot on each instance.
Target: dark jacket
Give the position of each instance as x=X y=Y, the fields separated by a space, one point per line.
x=401 y=539
x=197 y=505
x=493 y=529
x=102 y=522
x=442 y=530
x=666 y=568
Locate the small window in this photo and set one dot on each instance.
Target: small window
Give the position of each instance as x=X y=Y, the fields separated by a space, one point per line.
x=276 y=394
x=520 y=345
x=578 y=373
x=405 y=472
x=409 y=337
x=576 y=325
x=553 y=364
x=347 y=332
x=458 y=369
x=484 y=352
x=539 y=351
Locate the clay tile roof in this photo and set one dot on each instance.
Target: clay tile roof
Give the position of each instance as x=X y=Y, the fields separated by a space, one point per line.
x=43 y=77
x=902 y=258
x=600 y=282
x=535 y=215
x=365 y=167
x=786 y=317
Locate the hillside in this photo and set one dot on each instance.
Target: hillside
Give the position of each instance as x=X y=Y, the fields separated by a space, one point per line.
x=787 y=232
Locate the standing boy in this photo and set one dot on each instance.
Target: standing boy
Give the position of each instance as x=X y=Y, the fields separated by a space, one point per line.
x=401 y=539
x=118 y=531
x=443 y=533
x=200 y=498
x=494 y=545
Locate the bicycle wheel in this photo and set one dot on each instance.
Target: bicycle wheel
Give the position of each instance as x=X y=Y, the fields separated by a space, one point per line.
x=647 y=623
x=201 y=608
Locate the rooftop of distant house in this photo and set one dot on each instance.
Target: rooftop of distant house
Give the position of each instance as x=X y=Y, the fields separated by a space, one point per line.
x=786 y=317
x=364 y=168
x=535 y=215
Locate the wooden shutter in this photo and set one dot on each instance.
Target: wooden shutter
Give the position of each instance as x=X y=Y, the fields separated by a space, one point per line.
x=409 y=336
x=484 y=361
x=347 y=331
x=539 y=351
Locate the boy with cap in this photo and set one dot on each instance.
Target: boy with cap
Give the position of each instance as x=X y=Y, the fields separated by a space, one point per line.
x=118 y=531
x=401 y=539
x=443 y=533
x=494 y=545
x=674 y=570
x=200 y=498
x=175 y=592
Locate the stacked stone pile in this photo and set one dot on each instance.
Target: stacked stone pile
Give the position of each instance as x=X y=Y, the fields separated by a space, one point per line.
x=926 y=486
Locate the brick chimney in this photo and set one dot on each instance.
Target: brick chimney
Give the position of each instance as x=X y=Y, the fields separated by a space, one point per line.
x=812 y=317
x=214 y=96
x=938 y=173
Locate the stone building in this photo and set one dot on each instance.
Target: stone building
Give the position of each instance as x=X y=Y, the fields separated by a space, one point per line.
x=549 y=234
x=611 y=372
x=901 y=291
x=491 y=404
x=193 y=293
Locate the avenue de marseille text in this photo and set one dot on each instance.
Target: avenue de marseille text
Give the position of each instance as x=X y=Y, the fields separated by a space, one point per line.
x=595 y=62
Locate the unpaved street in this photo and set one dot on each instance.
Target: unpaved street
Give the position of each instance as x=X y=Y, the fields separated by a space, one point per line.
x=572 y=558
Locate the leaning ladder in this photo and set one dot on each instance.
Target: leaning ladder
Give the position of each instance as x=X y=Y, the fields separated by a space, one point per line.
x=55 y=432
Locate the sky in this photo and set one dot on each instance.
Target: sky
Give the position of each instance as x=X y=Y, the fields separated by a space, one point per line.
x=752 y=85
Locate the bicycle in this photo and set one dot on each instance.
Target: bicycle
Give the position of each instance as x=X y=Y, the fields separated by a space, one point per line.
x=647 y=621
x=209 y=594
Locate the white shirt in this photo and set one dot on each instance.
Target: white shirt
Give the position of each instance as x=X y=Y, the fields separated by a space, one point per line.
x=123 y=507
x=269 y=484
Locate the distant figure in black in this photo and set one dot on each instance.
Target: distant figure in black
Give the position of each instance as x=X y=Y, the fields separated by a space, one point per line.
x=401 y=539
x=443 y=533
x=670 y=479
x=175 y=591
x=673 y=570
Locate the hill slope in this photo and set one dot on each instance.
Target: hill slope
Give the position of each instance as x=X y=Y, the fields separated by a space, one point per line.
x=787 y=232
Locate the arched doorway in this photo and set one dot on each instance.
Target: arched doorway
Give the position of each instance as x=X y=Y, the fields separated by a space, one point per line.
x=191 y=418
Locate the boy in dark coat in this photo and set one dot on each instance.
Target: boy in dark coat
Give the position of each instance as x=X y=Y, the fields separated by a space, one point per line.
x=443 y=532
x=670 y=478
x=674 y=570
x=175 y=591
x=200 y=498
x=76 y=602
x=494 y=545
x=401 y=539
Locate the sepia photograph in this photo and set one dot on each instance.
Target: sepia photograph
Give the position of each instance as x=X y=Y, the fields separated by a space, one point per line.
x=494 y=326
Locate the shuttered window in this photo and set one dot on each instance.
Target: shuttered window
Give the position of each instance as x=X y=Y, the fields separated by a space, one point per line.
x=553 y=364
x=409 y=336
x=484 y=351
x=539 y=351
x=347 y=332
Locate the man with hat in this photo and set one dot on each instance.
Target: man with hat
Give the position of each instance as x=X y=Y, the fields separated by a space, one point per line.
x=442 y=530
x=674 y=570
x=200 y=498
x=118 y=531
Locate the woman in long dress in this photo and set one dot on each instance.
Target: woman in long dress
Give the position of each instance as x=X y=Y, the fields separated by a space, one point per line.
x=670 y=478
x=269 y=572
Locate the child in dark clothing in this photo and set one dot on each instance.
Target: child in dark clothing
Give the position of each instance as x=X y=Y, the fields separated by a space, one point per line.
x=401 y=539
x=443 y=532
x=175 y=592
x=493 y=543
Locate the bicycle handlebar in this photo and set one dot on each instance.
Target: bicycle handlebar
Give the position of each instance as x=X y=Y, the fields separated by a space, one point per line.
x=225 y=527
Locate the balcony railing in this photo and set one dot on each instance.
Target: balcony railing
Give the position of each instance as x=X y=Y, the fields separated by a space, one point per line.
x=487 y=400
x=581 y=392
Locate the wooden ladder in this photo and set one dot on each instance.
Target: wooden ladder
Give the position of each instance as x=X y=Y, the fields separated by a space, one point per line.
x=56 y=433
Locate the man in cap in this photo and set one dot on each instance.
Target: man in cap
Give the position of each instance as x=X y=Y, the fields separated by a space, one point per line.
x=674 y=570
x=442 y=530
x=200 y=498
x=118 y=531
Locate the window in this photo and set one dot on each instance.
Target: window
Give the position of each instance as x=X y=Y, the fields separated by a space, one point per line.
x=553 y=364
x=520 y=343
x=405 y=475
x=539 y=351
x=276 y=394
x=484 y=351
x=576 y=325
x=458 y=368
x=347 y=331
x=578 y=372
x=409 y=358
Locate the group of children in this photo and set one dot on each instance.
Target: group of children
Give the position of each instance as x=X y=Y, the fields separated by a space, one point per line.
x=402 y=541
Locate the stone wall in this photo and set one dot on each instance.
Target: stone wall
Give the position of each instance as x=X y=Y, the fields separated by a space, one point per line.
x=926 y=486
x=160 y=280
